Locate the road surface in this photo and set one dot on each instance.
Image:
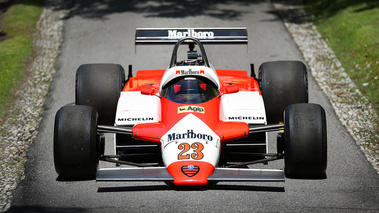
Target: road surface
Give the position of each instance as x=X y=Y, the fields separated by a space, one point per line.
x=103 y=31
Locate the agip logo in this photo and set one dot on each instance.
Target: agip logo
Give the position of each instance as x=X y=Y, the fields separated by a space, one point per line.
x=197 y=109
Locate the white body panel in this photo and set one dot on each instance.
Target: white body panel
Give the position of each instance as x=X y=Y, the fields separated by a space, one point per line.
x=179 y=71
x=134 y=108
x=244 y=106
x=190 y=130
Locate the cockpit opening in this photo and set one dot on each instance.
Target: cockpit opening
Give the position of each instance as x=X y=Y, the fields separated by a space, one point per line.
x=190 y=90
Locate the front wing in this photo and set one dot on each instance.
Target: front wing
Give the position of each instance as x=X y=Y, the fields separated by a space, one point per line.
x=161 y=174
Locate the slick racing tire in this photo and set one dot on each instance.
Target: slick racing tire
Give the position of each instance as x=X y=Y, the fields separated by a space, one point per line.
x=99 y=86
x=282 y=83
x=305 y=148
x=76 y=143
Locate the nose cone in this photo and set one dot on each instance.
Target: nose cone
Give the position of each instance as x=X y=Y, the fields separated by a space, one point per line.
x=190 y=172
x=190 y=150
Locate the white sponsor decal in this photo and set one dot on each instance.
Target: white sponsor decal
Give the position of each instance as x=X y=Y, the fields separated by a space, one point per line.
x=245 y=118
x=198 y=109
x=136 y=119
x=189 y=72
x=188 y=135
x=190 y=33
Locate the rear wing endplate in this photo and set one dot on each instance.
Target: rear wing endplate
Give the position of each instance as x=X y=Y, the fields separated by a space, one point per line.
x=233 y=35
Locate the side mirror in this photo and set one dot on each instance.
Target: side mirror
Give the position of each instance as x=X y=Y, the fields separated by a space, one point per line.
x=231 y=89
x=148 y=91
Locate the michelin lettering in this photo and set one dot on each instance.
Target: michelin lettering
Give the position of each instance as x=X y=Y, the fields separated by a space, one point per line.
x=136 y=119
x=245 y=118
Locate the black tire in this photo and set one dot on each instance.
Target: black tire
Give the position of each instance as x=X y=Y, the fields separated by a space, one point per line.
x=282 y=83
x=76 y=143
x=99 y=86
x=305 y=149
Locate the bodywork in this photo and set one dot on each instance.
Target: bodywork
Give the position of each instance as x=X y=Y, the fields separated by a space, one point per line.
x=192 y=136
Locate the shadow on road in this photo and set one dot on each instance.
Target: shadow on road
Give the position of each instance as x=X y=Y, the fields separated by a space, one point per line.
x=164 y=8
x=223 y=187
x=44 y=209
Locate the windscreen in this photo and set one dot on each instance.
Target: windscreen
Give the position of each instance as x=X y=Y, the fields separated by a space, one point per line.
x=190 y=90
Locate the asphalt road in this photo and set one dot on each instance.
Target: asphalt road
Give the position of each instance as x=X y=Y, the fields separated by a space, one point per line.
x=103 y=31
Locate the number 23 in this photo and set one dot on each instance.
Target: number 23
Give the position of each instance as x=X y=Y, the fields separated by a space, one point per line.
x=196 y=155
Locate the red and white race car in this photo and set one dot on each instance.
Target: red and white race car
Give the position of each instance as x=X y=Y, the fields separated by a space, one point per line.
x=190 y=124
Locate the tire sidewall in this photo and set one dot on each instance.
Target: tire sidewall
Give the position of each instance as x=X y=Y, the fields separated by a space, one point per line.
x=305 y=141
x=99 y=86
x=76 y=142
x=282 y=83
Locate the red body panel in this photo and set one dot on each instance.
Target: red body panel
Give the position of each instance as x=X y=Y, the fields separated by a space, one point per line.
x=152 y=78
x=170 y=116
x=237 y=78
x=190 y=172
x=144 y=79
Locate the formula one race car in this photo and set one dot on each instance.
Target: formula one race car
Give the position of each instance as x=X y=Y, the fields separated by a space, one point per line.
x=190 y=124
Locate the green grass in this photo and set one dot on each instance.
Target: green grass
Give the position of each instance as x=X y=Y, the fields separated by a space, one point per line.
x=18 y=23
x=351 y=28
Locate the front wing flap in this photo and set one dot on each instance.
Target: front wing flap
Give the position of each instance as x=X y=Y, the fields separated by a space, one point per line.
x=161 y=174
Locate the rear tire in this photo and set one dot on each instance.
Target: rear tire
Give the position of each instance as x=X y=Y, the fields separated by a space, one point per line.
x=99 y=86
x=282 y=83
x=76 y=143
x=305 y=151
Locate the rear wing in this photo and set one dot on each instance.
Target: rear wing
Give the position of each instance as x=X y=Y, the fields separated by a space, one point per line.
x=233 y=35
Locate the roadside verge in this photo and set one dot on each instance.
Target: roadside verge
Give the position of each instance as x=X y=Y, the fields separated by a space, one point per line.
x=353 y=109
x=20 y=130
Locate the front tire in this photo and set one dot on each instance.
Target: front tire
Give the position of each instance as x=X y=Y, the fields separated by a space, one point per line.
x=305 y=149
x=76 y=143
